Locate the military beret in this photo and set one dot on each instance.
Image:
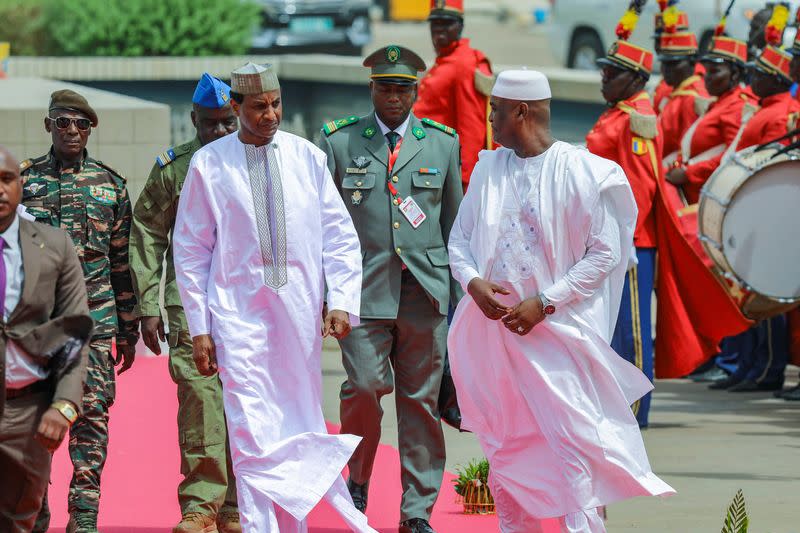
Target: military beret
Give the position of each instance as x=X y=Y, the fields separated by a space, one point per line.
x=394 y=64
x=211 y=92
x=67 y=99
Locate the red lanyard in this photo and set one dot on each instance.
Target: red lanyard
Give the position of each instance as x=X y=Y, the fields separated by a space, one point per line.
x=392 y=160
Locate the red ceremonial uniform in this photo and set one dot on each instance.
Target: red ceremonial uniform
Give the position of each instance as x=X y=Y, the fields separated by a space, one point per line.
x=448 y=94
x=680 y=112
x=662 y=90
x=776 y=118
x=618 y=136
x=712 y=135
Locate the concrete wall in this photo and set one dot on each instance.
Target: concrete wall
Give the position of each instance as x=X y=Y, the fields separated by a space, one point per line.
x=130 y=133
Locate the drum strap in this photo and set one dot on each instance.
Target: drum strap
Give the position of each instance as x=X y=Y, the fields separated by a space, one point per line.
x=708 y=154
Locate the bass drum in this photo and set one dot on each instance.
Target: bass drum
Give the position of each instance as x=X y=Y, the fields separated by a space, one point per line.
x=748 y=222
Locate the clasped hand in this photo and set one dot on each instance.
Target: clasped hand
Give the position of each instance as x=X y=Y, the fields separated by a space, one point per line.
x=520 y=319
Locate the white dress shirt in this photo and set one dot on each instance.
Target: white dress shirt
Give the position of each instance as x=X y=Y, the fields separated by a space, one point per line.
x=400 y=130
x=20 y=368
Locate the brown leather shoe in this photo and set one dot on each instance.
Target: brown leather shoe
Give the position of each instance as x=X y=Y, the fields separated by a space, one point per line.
x=228 y=522
x=196 y=523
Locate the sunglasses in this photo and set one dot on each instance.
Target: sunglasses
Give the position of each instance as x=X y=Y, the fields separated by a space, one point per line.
x=63 y=123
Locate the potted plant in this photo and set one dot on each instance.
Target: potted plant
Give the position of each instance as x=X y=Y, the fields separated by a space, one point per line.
x=472 y=487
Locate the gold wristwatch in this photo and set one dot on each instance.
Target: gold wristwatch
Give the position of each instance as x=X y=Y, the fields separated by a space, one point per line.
x=66 y=409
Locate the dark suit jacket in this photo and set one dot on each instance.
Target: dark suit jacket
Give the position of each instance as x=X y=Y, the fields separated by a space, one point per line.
x=52 y=309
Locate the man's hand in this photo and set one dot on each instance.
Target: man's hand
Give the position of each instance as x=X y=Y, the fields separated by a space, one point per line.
x=522 y=318
x=677 y=176
x=152 y=332
x=483 y=292
x=204 y=353
x=52 y=429
x=125 y=355
x=337 y=324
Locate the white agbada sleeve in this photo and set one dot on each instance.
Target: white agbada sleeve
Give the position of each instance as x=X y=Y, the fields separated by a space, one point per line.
x=603 y=255
x=341 y=251
x=463 y=266
x=193 y=246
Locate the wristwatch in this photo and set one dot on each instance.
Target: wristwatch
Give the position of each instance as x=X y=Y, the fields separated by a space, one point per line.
x=66 y=409
x=547 y=306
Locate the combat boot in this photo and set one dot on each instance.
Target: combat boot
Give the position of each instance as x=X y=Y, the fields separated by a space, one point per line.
x=82 y=522
x=196 y=523
x=228 y=522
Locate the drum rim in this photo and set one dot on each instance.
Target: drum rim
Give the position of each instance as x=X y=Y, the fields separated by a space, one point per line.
x=719 y=247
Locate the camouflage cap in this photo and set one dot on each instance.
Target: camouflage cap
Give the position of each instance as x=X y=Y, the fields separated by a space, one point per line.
x=72 y=101
x=394 y=64
x=254 y=79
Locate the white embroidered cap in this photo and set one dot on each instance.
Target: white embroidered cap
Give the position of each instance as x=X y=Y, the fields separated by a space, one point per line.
x=523 y=85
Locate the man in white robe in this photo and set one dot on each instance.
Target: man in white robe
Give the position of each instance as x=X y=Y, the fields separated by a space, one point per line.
x=260 y=231
x=541 y=244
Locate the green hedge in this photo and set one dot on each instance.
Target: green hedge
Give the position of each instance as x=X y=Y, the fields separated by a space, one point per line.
x=131 y=27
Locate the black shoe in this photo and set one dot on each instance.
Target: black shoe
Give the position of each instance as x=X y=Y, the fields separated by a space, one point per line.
x=751 y=386
x=359 y=495
x=782 y=392
x=792 y=395
x=710 y=376
x=416 y=525
x=724 y=384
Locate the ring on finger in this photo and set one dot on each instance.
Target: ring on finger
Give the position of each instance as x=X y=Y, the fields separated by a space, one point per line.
x=520 y=329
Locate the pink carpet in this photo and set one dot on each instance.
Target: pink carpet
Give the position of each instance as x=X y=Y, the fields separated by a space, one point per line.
x=142 y=471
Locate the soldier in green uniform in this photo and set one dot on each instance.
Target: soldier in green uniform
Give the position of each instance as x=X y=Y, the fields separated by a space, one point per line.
x=207 y=494
x=400 y=177
x=68 y=189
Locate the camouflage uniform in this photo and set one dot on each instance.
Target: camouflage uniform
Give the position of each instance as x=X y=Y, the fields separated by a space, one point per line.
x=90 y=201
x=208 y=486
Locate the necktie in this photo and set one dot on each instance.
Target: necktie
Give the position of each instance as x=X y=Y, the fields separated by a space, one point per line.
x=2 y=280
x=392 y=137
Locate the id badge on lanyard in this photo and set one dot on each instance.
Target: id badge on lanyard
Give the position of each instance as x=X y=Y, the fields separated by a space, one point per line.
x=408 y=207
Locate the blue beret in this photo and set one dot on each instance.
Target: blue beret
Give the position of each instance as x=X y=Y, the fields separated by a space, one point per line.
x=211 y=92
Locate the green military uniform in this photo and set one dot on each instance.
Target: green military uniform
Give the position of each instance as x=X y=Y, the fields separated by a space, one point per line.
x=90 y=201
x=407 y=290
x=208 y=486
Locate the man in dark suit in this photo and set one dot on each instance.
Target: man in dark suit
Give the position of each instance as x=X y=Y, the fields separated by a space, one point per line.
x=45 y=328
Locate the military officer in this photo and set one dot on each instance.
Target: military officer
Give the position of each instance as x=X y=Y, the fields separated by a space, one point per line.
x=400 y=178
x=68 y=189
x=207 y=494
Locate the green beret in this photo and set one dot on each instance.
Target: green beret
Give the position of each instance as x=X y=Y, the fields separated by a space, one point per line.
x=67 y=99
x=395 y=64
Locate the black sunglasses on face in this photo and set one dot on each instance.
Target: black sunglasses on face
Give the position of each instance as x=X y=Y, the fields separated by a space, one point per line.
x=63 y=123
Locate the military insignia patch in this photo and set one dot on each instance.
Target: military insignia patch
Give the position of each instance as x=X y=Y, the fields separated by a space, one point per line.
x=103 y=195
x=369 y=132
x=335 y=125
x=357 y=197
x=166 y=158
x=351 y=170
x=34 y=188
x=223 y=96
x=392 y=54
x=418 y=132
x=361 y=161
x=25 y=165
x=638 y=146
x=429 y=171
x=439 y=126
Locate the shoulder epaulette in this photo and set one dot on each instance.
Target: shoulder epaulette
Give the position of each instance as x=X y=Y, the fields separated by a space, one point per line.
x=701 y=104
x=433 y=124
x=792 y=122
x=166 y=158
x=335 y=125
x=644 y=125
x=110 y=169
x=484 y=83
x=25 y=165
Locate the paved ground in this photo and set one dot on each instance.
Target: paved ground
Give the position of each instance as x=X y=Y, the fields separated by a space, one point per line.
x=705 y=444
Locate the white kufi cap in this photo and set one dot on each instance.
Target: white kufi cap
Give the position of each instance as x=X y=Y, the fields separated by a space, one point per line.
x=523 y=85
